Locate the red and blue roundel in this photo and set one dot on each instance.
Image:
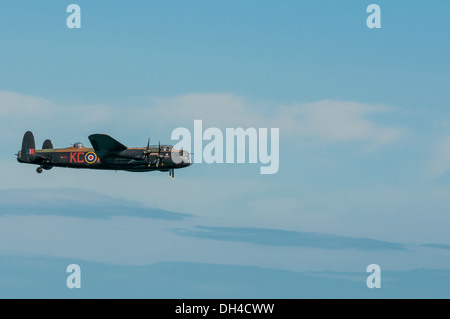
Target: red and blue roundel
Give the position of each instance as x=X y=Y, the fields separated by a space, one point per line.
x=90 y=158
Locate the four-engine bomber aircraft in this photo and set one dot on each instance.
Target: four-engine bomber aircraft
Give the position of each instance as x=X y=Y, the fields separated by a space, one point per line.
x=106 y=154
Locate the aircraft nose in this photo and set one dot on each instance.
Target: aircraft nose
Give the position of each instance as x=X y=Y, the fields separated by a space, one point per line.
x=182 y=158
x=188 y=159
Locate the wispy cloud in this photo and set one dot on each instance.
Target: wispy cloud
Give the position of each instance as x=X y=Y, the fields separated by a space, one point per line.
x=439 y=163
x=275 y=237
x=76 y=203
x=437 y=246
x=85 y=225
x=341 y=121
x=215 y=109
x=15 y=106
x=325 y=121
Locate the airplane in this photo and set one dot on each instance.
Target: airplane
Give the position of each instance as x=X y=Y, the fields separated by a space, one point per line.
x=106 y=154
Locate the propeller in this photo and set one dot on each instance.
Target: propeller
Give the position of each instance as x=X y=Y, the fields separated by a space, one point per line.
x=147 y=153
x=158 y=160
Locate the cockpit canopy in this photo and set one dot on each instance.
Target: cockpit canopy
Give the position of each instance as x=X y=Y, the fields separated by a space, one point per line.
x=78 y=145
x=164 y=148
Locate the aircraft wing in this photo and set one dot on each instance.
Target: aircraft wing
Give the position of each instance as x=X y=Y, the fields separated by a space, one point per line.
x=104 y=145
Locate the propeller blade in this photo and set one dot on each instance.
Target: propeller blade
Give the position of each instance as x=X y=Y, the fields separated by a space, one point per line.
x=158 y=159
x=147 y=152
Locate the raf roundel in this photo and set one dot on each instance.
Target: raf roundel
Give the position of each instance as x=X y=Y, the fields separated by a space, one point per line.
x=90 y=158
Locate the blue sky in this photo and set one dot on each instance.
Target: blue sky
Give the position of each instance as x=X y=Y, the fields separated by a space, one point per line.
x=364 y=145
